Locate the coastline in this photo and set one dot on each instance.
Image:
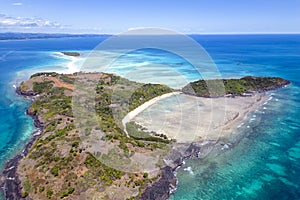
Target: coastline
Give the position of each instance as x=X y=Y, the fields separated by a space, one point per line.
x=168 y=182
x=160 y=189
x=196 y=150
x=280 y=118
x=9 y=178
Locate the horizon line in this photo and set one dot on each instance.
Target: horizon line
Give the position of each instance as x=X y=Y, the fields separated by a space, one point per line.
x=114 y=34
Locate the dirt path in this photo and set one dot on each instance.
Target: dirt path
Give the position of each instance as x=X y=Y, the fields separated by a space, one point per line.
x=61 y=84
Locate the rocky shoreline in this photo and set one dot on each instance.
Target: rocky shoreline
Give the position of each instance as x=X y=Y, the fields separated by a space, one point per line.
x=167 y=183
x=9 y=180
x=159 y=190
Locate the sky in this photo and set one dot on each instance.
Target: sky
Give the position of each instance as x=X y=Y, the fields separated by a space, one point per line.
x=116 y=16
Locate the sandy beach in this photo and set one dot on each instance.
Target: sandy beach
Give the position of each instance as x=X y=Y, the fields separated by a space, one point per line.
x=189 y=118
x=143 y=107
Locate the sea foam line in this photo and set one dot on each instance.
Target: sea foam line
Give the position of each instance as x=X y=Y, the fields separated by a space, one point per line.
x=72 y=64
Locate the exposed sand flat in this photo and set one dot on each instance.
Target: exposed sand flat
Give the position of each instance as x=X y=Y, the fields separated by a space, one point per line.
x=144 y=106
x=188 y=118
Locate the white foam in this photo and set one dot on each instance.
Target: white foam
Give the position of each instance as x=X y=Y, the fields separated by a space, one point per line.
x=189 y=169
x=240 y=125
x=226 y=146
x=270 y=98
x=73 y=65
x=252 y=119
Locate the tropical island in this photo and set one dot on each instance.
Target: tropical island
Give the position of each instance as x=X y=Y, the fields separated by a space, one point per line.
x=74 y=54
x=57 y=164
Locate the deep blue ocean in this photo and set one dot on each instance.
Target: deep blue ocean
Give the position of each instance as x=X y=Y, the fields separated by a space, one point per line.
x=264 y=165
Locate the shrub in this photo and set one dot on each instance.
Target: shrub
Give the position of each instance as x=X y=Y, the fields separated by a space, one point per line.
x=75 y=144
x=41 y=189
x=24 y=194
x=49 y=193
x=145 y=175
x=54 y=171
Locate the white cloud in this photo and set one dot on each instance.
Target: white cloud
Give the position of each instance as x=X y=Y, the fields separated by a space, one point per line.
x=7 y=22
x=17 y=4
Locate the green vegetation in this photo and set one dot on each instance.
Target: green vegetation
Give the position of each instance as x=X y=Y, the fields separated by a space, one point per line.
x=75 y=54
x=55 y=103
x=98 y=173
x=42 y=87
x=126 y=95
x=137 y=132
x=52 y=74
x=24 y=194
x=54 y=171
x=59 y=153
x=145 y=175
x=215 y=88
x=27 y=186
x=49 y=193
x=41 y=189
x=147 y=92
x=67 y=193
x=67 y=78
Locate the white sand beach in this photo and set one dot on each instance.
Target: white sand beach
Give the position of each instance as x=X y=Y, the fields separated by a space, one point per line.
x=143 y=107
x=189 y=118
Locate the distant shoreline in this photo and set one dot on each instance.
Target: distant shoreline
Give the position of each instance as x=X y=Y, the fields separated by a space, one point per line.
x=40 y=36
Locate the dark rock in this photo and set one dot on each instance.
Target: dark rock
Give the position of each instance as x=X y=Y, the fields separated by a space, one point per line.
x=160 y=190
x=9 y=180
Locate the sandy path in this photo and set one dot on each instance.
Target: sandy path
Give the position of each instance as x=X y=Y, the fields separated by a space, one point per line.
x=144 y=106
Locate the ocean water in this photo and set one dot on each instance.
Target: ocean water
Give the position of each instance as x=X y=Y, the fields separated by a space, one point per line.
x=18 y=60
x=264 y=165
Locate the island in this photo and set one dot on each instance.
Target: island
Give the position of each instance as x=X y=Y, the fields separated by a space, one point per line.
x=56 y=164
x=74 y=54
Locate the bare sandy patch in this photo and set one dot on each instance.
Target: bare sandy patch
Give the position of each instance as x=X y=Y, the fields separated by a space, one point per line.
x=188 y=118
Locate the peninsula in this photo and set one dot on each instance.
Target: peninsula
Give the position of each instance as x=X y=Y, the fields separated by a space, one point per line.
x=56 y=164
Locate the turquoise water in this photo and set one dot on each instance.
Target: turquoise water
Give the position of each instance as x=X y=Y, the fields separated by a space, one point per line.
x=264 y=165
x=18 y=60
